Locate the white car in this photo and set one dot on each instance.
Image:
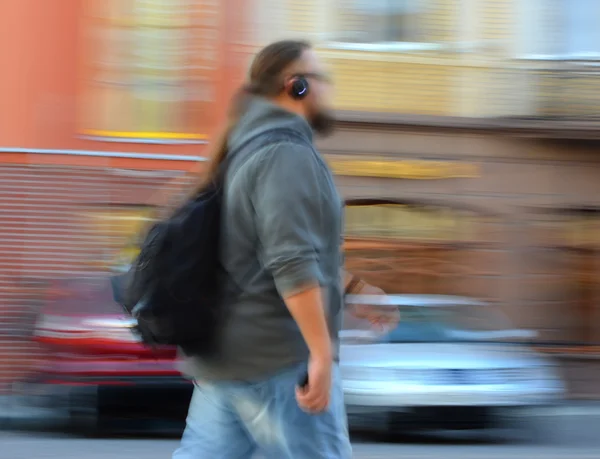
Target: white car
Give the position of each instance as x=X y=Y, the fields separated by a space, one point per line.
x=452 y=363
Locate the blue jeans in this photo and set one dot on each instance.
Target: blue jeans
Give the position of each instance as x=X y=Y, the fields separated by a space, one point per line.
x=233 y=420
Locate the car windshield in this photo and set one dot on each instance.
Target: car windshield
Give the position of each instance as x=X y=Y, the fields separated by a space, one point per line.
x=444 y=323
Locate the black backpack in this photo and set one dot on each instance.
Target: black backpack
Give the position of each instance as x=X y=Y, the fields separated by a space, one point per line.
x=174 y=287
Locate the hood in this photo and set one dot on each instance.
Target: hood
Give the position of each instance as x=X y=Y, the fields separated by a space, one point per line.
x=261 y=116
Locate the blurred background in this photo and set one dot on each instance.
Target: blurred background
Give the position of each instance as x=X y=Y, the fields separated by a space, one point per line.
x=467 y=151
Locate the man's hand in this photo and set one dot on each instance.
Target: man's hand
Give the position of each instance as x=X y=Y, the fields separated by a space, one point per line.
x=314 y=397
x=382 y=318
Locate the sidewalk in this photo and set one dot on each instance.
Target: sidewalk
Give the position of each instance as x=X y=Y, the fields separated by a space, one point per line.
x=16 y=414
x=569 y=408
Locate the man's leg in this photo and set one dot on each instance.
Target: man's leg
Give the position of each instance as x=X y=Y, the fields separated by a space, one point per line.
x=294 y=434
x=212 y=429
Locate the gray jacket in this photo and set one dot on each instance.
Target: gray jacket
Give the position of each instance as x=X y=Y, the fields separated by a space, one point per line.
x=281 y=230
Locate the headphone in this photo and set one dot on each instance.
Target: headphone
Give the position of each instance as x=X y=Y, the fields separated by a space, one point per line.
x=298 y=88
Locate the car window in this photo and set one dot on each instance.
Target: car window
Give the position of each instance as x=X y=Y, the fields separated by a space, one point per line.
x=459 y=322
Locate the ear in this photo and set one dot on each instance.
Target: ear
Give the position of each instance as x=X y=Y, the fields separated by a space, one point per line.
x=288 y=83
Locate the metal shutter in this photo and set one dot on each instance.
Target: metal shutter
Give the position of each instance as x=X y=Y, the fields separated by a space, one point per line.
x=60 y=222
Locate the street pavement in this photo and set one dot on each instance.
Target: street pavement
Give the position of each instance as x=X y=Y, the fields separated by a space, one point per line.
x=20 y=445
x=572 y=433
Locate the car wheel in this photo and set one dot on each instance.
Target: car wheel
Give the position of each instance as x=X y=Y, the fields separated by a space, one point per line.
x=400 y=428
x=527 y=426
x=540 y=428
x=84 y=412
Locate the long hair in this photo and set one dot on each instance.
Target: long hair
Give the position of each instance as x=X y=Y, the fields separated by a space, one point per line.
x=264 y=79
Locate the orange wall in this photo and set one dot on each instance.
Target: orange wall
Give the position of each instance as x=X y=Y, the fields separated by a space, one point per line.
x=40 y=49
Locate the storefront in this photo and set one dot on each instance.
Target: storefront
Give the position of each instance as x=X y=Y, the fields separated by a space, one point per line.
x=436 y=204
x=456 y=211
x=506 y=213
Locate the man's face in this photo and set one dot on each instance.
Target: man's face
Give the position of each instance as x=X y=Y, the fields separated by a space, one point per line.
x=318 y=103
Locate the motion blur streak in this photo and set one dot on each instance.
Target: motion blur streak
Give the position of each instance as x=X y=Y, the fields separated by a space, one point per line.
x=467 y=153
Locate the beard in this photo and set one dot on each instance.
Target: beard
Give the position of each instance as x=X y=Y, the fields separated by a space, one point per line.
x=322 y=122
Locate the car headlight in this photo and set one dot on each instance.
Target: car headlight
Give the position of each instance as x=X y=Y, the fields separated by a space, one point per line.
x=501 y=376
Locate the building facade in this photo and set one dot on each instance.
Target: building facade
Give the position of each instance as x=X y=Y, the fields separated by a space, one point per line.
x=466 y=146
x=503 y=91
x=105 y=104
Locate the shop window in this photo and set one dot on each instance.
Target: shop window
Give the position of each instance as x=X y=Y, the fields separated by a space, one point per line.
x=392 y=25
x=407 y=222
x=560 y=29
x=574 y=237
x=379 y=21
x=408 y=248
x=148 y=69
x=582 y=240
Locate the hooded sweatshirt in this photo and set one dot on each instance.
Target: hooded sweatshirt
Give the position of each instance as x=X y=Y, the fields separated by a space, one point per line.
x=281 y=231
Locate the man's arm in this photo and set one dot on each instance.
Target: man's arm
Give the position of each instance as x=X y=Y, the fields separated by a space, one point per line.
x=345 y=279
x=354 y=285
x=290 y=231
x=384 y=318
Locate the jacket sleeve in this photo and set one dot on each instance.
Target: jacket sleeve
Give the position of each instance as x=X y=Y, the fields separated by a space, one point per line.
x=287 y=203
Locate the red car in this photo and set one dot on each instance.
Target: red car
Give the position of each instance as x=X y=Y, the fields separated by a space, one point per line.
x=97 y=369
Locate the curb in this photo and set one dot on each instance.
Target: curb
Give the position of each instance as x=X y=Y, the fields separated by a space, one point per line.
x=31 y=424
x=567 y=410
x=16 y=414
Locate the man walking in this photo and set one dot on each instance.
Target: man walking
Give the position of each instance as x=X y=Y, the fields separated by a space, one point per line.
x=281 y=249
